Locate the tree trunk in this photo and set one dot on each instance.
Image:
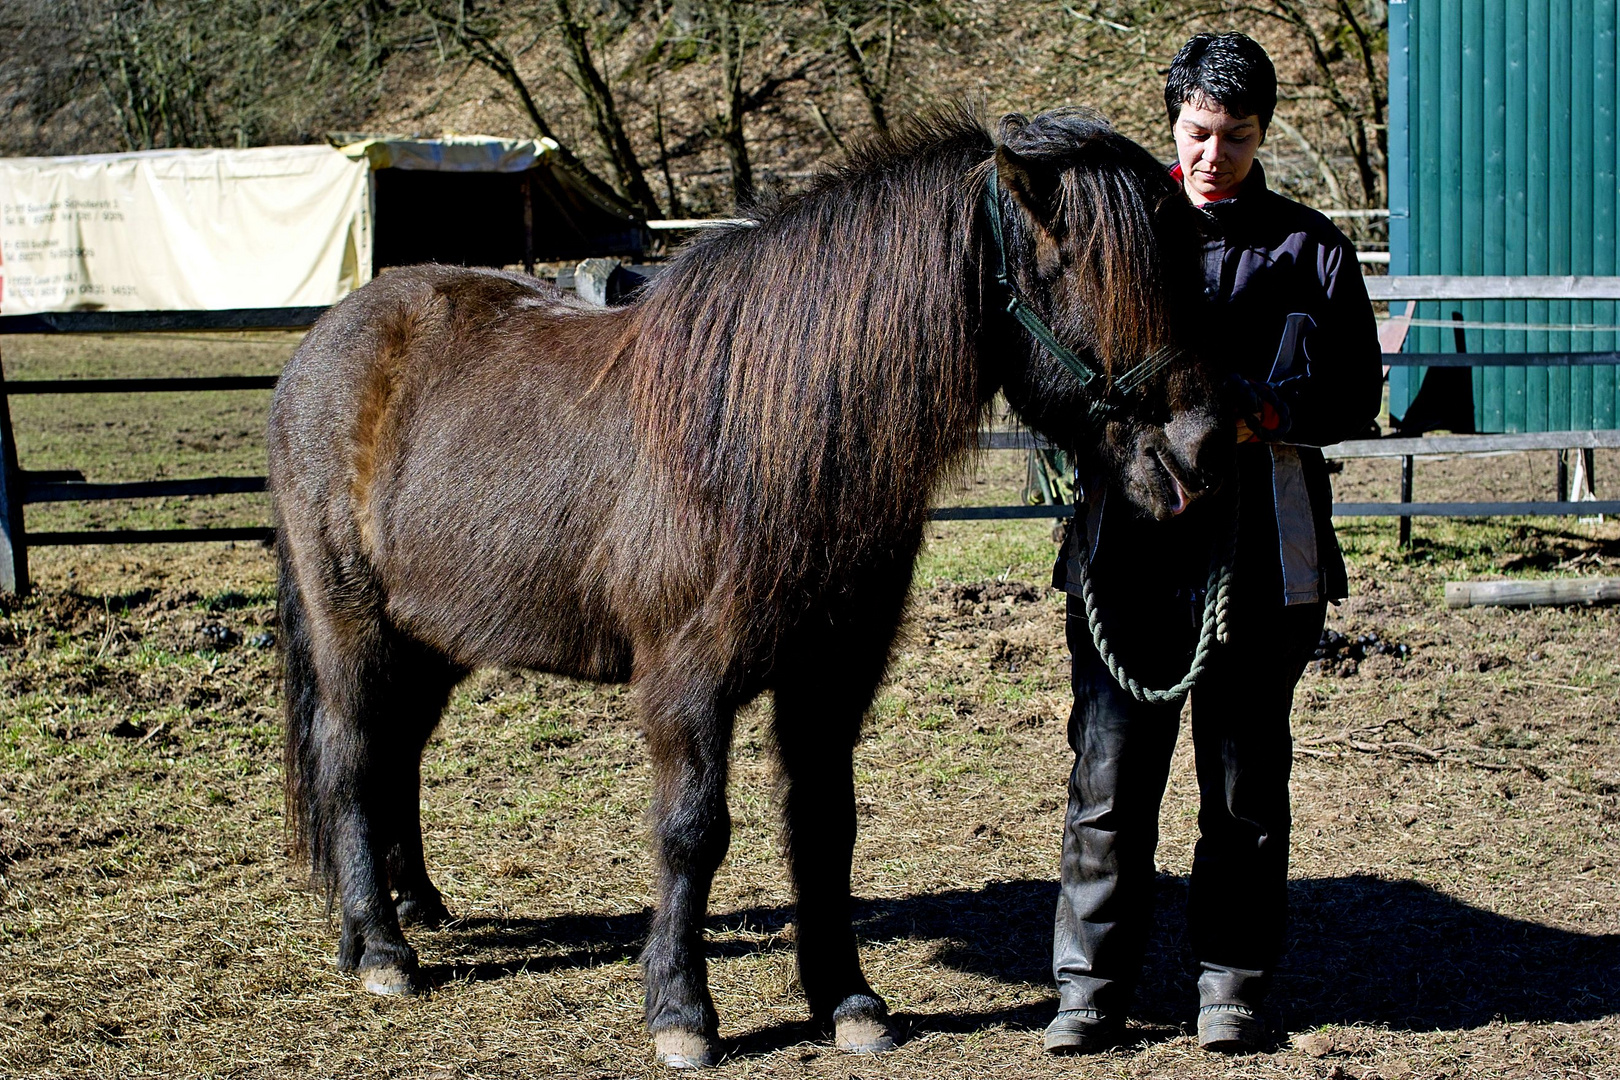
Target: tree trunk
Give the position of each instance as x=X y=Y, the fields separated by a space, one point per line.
x=731 y=40
x=605 y=119
x=673 y=198
x=873 y=90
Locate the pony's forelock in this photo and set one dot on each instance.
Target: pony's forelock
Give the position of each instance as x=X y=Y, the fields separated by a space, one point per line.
x=1119 y=212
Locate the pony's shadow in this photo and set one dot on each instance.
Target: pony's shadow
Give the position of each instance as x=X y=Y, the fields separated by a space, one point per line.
x=1362 y=950
x=578 y=941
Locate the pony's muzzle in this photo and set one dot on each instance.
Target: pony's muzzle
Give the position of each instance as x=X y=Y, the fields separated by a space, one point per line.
x=1198 y=454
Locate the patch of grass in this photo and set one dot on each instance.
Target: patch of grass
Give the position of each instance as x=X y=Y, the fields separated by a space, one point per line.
x=236 y=599
x=1501 y=736
x=966 y=551
x=552 y=733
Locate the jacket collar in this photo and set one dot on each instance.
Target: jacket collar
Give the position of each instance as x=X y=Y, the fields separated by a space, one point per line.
x=1251 y=191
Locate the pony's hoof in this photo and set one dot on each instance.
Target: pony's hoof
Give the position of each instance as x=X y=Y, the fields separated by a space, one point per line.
x=683 y=1049
x=425 y=912
x=861 y=1026
x=391 y=979
x=863 y=1035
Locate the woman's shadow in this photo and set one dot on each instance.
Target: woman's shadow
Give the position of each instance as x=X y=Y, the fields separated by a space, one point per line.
x=1363 y=950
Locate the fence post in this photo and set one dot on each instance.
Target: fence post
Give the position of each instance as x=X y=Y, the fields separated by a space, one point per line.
x=527 y=190
x=1405 y=538
x=13 y=546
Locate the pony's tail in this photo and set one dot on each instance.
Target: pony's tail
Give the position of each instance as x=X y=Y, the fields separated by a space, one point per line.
x=300 y=702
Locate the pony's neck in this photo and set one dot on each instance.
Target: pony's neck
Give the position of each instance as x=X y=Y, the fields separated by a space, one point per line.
x=826 y=358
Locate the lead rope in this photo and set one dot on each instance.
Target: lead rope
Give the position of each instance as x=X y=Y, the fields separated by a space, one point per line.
x=1213 y=631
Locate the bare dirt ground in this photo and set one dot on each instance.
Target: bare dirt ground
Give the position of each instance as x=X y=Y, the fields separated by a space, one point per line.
x=1456 y=900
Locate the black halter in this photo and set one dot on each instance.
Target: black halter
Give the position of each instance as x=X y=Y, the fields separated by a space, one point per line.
x=1015 y=304
x=1085 y=373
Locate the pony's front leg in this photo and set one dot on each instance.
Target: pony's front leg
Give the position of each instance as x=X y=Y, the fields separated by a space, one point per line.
x=688 y=733
x=815 y=739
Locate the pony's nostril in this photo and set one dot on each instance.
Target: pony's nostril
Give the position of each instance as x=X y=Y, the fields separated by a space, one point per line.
x=1190 y=442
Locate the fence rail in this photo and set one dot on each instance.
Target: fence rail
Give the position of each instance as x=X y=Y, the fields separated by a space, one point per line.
x=1405 y=449
x=141 y=322
x=1453 y=287
x=186 y=383
x=19 y=487
x=78 y=491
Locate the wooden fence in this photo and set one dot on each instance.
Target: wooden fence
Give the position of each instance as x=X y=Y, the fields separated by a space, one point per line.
x=20 y=487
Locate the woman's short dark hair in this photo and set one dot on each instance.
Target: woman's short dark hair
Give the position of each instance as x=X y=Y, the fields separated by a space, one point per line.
x=1232 y=70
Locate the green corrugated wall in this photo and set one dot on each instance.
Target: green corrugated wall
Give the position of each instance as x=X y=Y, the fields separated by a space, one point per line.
x=1502 y=161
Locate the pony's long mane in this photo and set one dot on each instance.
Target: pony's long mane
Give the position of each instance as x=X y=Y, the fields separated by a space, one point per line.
x=821 y=359
x=822 y=364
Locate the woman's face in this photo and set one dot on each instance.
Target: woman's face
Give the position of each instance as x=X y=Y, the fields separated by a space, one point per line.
x=1215 y=148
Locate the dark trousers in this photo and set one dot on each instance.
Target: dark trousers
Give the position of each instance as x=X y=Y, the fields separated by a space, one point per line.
x=1244 y=753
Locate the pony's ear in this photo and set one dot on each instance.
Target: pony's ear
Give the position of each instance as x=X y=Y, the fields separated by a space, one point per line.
x=1034 y=184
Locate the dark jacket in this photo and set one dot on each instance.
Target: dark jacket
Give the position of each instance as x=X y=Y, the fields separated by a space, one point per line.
x=1269 y=258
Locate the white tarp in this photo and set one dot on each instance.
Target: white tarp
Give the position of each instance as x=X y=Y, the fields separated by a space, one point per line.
x=454 y=153
x=279 y=226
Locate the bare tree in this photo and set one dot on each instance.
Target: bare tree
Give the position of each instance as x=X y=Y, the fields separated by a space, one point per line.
x=213 y=72
x=146 y=57
x=480 y=34
x=604 y=113
x=1335 y=37
x=729 y=28
x=734 y=34
x=856 y=25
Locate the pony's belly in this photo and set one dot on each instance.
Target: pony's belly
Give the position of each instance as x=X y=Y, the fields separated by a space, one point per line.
x=596 y=659
x=556 y=633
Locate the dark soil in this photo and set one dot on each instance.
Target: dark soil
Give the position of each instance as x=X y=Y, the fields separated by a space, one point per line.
x=1454 y=885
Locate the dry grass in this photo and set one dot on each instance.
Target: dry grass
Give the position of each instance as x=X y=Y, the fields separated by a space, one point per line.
x=1455 y=886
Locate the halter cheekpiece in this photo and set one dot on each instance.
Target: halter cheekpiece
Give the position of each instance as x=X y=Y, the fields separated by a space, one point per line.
x=1085 y=373
x=1015 y=303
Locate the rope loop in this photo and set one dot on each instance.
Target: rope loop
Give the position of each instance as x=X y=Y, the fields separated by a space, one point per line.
x=1212 y=631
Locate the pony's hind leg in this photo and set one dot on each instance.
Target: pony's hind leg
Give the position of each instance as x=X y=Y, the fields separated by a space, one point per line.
x=354 y=758
x=377 y=723
x=330 y=766
x=688 y=730
x=417 y=901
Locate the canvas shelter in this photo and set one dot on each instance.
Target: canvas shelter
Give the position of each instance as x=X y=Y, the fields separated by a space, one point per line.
x=286 y=226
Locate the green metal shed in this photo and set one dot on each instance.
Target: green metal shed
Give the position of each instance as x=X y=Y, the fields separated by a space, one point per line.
x=1503 y=121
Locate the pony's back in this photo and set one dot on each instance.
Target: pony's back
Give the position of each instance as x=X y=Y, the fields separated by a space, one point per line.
x=429 y=431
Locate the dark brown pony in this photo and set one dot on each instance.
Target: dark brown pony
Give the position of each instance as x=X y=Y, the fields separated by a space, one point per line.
x=715 y=491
